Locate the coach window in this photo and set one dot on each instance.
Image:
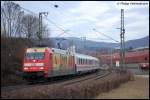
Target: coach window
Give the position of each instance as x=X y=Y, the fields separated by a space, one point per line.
x=83 y=61
x=86 y=61
x=79 y=61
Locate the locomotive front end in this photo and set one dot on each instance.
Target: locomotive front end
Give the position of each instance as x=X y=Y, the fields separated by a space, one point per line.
x=35 y=61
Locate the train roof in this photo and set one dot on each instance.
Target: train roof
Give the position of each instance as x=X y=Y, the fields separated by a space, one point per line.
x=55 y=50
x=59 y=51
x=38 y=49
x=85 y=56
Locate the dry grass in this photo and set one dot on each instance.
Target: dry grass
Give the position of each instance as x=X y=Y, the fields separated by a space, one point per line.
x=137 y=89
x=86 y=89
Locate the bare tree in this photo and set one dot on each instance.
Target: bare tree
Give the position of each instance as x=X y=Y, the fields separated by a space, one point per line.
x=11 y=14
x=3 y=25
x=30 y=25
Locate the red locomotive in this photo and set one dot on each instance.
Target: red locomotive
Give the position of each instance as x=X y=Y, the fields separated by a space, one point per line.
x=44 y=62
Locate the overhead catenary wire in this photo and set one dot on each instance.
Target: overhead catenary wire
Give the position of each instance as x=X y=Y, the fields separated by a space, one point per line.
x=97 y=31
x=58 y=26
x=106 y=35
x=64 y=31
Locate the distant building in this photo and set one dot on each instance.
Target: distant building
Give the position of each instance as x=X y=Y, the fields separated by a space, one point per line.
x=141 y=48
x=139 y=56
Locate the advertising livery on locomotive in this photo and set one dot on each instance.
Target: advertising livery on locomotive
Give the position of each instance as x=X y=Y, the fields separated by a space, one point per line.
x=45 y=62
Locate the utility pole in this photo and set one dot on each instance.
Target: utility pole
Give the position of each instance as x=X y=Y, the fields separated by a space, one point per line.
x=122 y=43
x=41 y=26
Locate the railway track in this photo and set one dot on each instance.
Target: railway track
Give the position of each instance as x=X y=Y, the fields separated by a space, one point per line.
x=96 y=76
x=65 y=81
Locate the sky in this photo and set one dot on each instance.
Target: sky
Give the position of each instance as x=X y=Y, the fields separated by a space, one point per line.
x=78 y=18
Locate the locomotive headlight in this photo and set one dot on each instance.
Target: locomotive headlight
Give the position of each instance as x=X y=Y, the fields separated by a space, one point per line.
x=41 y=67
x=25 y=68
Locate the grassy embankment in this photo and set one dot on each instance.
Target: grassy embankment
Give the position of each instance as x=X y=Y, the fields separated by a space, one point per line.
x=86 y=89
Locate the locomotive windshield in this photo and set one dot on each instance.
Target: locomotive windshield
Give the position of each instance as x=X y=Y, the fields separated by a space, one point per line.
x=34 y=55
